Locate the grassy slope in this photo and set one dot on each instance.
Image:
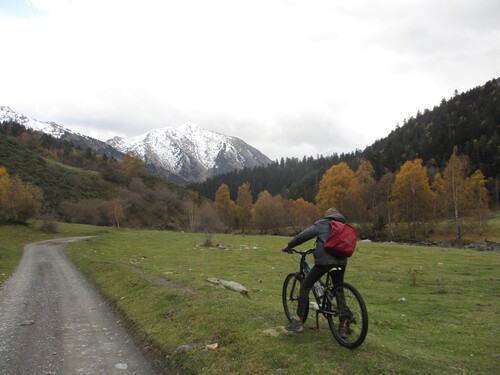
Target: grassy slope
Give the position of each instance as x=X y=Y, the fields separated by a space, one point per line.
x=448 y=324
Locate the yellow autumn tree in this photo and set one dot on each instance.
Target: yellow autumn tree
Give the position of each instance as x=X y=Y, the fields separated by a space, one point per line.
x=367 y=216
x=439 y=189
x=244 y=203
x=4 y=188
x=19 y=201
x=269 y=212
x=479 y=197
x=413 y=198
x=461 y=199
x=132 y=165
x=457 y=203
x=365 y=173
x=278 y=216
x=224 y=206
x=301 y=214
x=340 y=188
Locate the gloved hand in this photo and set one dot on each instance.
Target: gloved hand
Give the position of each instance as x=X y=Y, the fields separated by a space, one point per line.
x=286 y=249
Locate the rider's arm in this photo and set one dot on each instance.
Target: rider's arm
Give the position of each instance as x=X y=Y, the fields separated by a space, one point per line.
x=302 y=237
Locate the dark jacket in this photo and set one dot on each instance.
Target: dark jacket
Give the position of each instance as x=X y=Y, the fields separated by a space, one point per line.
x=320 y=230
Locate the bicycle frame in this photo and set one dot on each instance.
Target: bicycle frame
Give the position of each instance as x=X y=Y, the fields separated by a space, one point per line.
x=321 y=300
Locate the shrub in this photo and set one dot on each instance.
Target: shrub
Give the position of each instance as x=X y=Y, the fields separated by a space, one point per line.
x=49 y=226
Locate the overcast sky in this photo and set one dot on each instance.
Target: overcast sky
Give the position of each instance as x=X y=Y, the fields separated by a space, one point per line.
x=291 y=78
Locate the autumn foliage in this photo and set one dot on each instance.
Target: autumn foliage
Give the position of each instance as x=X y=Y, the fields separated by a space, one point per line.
x=19 y=201
x=407 y=204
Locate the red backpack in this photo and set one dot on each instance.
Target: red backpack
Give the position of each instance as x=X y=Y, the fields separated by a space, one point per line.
x=342 y=240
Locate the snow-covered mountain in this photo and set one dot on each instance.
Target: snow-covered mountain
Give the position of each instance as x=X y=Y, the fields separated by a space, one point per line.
x=190 y=153
x=180 y=155
x=59 y=132
x=51 y=128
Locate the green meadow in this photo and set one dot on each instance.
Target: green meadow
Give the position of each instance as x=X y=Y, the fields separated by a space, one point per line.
x=432 y=310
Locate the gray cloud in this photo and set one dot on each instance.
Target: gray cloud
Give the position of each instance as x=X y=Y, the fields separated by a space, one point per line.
x=291 y=78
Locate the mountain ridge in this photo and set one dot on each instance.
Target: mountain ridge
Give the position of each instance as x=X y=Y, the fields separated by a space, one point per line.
x=191 y=152
x=59 y=132
x=180 y=155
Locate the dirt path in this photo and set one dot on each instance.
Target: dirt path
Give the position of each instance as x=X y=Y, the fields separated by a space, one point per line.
x=53 y=321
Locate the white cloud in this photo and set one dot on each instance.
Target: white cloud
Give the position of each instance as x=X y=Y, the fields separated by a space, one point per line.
x=291 y=78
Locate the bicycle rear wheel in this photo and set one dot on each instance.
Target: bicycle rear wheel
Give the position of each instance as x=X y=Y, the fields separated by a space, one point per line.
x=290 y=295
x=347 y=315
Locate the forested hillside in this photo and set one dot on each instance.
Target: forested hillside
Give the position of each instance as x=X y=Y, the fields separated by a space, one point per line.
x=58 y=181
x=470 y=121
x=80 y=186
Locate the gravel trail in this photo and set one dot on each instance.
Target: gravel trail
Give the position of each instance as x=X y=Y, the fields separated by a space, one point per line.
x=53 y=321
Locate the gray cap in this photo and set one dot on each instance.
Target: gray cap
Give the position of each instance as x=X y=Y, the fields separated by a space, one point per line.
x=331 y=211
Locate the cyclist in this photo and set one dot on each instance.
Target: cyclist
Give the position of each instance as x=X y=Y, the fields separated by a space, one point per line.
x=323 y=262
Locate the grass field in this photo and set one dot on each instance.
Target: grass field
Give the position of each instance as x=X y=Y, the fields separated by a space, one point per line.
x=447 y=324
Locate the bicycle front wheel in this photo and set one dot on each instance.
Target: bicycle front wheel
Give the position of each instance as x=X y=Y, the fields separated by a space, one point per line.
x=290 y=295
x=347 y=315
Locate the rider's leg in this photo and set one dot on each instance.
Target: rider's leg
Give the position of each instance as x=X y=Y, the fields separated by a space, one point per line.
x=305 y=287
x=314 y=275
x=338 y=275
x=337 y=278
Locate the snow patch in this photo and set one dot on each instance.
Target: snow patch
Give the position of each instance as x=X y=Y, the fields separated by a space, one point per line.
x=51 y=128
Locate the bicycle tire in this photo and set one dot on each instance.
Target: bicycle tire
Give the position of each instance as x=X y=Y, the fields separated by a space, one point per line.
x=290 y=295
x=347 y=315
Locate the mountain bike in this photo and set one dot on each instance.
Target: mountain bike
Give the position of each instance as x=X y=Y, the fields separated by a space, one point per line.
x=341 y=304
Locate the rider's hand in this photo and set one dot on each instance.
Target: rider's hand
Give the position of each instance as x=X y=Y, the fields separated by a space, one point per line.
x=286 y=249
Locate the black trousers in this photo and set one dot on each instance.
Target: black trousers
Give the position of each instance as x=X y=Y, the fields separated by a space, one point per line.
x=314 y=275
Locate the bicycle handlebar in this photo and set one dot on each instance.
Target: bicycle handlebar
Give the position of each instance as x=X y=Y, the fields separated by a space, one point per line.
x=301 y=252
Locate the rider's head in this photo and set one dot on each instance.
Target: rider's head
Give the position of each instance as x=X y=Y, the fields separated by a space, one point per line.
x=331 y=211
